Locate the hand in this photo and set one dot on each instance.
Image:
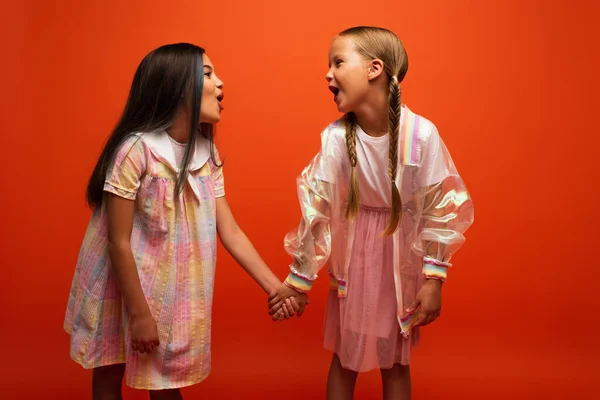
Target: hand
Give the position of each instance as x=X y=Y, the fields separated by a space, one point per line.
x=144 y=334
x=279 y=300
x=288 y=308
x=428 y=302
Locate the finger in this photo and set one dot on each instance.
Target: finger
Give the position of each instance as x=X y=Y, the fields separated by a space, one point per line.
x=280 y=315
x=277 y=299
x=135 y=346
x=144 y=347
x=286 y=312
x=275 y=308
x=428 y=317
x=275 y=317
x=289 y=308
x=295 y=305
x=148 y=346
x=413 y=307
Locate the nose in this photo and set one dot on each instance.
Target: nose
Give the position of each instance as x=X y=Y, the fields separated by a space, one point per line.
x=329 y=76
x=219 y=83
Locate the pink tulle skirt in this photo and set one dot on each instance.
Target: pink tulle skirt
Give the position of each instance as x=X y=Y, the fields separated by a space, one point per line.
x=362 y=329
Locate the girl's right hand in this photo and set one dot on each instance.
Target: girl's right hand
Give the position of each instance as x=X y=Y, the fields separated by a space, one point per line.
x=144 y=334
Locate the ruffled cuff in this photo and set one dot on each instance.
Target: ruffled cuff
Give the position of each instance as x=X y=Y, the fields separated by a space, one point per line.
x=435 y=269
x=299 y=282
x=339 y=285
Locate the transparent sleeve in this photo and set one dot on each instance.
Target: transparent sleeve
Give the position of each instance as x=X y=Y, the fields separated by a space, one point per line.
x=447 y=209
x=309 y=244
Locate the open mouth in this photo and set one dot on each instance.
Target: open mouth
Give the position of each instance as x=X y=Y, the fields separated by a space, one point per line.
x=335 y=92
x=220 y=99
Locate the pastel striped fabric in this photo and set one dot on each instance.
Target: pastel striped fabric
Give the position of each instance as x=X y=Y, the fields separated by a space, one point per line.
x=299 y=282
x=434 y=269
x=409 y=148
x=174 y=247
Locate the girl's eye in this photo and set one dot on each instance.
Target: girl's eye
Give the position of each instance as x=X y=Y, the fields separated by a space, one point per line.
x=338 y=62
x=207 y=74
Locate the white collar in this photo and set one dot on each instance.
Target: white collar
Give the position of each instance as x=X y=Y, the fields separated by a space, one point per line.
x=160 y=145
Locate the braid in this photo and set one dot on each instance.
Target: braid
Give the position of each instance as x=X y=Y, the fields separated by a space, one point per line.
x=394 y=111
x=352 y=207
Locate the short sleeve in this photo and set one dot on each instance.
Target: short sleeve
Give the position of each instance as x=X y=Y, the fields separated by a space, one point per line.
x=436 y=163
x=123 y=177
x=217 y=175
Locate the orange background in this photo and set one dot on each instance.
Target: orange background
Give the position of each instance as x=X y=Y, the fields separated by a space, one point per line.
x=512 y=87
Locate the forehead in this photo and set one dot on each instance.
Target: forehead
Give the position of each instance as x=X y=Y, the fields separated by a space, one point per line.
x=341 y=45
x=206 y=61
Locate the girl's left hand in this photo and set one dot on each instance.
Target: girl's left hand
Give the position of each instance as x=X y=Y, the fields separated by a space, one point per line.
x=428 y=302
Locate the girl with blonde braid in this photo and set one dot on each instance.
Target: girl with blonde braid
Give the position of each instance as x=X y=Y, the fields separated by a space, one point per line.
x=384 y=206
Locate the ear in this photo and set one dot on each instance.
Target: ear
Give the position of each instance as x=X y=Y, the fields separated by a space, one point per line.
x=374 y=69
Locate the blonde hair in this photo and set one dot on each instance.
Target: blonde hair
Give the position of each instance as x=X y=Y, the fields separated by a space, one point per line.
x=379 y=43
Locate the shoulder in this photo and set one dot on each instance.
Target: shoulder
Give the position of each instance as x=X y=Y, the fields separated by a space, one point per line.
x=333 y=136
x=132 y=141
x=418 y=126
x=336 y=129
x=417 y=133
x=131 y=147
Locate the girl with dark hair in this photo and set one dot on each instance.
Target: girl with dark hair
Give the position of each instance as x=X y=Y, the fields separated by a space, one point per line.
x=141 y=298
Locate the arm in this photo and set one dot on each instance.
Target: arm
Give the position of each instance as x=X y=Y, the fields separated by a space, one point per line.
x=119 y=224
x=121 y=185
x=237 y=243
x=447 y=212
x=309 y=244
x=241 y=249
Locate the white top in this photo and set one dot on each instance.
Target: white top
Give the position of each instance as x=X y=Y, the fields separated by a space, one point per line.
x=372 y=166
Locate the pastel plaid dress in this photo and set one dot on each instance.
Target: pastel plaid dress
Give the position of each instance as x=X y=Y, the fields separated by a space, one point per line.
x=174 y=247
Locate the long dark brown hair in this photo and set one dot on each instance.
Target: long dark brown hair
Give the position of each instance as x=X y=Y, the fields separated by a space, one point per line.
x=164 y=81
x=379 y=43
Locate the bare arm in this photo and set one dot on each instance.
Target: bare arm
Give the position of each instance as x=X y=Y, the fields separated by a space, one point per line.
x=119 y=224
x=241 y=249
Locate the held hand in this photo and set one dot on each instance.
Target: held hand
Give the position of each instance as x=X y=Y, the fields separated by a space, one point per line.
x=428 y=302
x=287 y=310
x=278 y=301
x=144 y=334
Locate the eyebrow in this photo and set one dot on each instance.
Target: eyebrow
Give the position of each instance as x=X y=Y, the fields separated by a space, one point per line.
x=209 y=67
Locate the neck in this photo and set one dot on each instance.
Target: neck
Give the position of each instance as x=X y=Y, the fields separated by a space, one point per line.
x=373 y=116
x=179 y=129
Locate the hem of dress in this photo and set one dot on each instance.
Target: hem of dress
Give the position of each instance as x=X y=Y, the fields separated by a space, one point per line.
x=89 y=366
x=360 y=370
x=173 y=386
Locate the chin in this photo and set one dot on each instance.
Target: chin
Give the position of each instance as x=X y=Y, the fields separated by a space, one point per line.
x=342 y=109
x=210 y=119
